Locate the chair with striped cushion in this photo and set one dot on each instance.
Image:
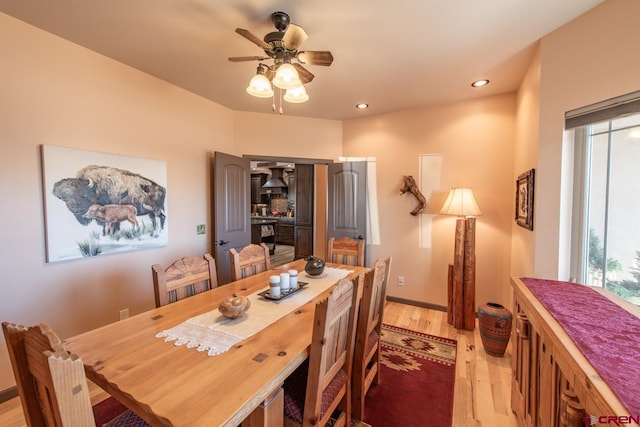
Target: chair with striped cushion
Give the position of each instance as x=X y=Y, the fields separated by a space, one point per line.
x=320 y=389
x=346 y=251
x=186 y=277
x=51 y=383
x=366 y=363
x=252 y=259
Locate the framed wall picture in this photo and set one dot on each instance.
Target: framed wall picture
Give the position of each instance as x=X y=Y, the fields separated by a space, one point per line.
x=99 y=203
x=524 y=199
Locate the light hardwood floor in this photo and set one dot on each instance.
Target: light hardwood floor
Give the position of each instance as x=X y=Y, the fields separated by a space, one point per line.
x=482 y=393
x=283 y=254
x=483 y=383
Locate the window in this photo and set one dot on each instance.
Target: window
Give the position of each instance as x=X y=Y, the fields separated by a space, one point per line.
x=606 y=219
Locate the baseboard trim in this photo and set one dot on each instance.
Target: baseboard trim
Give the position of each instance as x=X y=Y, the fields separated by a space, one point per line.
x=8 y=394
x=417 y=303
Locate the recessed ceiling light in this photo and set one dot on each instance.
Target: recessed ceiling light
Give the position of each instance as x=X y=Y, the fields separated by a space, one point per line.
x=362 y=106
x=480 y=83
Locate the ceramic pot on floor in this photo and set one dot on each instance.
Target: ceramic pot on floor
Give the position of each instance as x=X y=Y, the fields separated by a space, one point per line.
x=495 y=328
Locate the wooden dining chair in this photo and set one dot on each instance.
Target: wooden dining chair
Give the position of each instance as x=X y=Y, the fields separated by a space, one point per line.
x=320 y=389
x=51 y=383
x=186 y=277
x=252 y=259
x=366 y=363
x=346 y=251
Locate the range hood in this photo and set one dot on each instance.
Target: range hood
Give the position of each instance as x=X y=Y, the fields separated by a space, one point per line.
x=276 y=184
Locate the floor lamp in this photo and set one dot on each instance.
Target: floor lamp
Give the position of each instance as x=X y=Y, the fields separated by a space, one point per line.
x=461 y=281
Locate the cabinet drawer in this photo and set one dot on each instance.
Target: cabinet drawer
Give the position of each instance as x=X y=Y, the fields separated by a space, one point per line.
x=285 y=234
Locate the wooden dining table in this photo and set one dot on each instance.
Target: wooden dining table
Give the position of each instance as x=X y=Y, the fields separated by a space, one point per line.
x=171 y=385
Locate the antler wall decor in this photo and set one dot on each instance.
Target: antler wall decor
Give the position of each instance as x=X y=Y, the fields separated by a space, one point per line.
x=411 y=186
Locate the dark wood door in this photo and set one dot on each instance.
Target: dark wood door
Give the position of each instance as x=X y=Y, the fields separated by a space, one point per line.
x=347 y=200
x=304 y=211
x=232 y=206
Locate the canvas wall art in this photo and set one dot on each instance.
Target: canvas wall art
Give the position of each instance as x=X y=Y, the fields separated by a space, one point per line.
x=99 y=203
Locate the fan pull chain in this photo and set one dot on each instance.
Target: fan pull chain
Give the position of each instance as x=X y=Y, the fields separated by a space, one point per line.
x=280 y=101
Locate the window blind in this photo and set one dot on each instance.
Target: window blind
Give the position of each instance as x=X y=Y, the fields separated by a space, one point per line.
x=603 y=110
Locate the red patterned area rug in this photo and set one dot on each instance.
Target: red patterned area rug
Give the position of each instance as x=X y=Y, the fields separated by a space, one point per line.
x=107 y=410
x=416 y=381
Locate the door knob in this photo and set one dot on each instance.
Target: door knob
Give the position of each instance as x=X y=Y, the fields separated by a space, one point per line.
x=221 y=243
x=360 y=237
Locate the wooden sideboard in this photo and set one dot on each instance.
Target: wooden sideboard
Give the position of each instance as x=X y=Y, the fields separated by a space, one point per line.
x=549 y=370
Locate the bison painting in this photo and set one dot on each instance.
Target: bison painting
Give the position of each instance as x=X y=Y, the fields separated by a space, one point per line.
x=85 y=191
x=113 y=215
x=104 y=185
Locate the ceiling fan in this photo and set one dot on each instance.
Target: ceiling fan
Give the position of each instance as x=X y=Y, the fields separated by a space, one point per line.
x=283 y=47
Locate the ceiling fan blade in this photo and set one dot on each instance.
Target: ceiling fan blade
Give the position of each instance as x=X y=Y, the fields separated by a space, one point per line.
x=305 y=75
x=252 y=38
x=247 y=58
x=317 y=57
x=294 y=37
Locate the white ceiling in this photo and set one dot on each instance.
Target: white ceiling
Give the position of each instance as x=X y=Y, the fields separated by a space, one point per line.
x=392 y=55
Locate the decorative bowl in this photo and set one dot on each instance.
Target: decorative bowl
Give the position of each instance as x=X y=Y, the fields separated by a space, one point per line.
x=234 y=306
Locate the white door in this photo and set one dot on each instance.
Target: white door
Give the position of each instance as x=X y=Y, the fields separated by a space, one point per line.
x=347 y=200
x=232 y=208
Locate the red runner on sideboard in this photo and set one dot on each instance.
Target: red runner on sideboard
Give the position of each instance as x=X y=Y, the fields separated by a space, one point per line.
x=607 y=335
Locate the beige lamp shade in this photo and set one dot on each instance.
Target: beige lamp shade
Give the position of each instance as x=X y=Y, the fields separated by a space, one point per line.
x=460 y=202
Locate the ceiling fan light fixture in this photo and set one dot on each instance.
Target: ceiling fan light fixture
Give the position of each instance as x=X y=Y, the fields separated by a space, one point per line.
x=283 y=47
x=260 y=87
x=286 y=77
x=296 y=95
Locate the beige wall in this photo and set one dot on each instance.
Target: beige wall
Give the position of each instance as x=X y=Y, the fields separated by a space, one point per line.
x=525 y=158
x=271 y=134
x=592 y=58
x=476 y=140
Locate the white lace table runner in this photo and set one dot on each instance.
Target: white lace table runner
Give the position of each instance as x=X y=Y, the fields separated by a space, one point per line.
x=215 y=334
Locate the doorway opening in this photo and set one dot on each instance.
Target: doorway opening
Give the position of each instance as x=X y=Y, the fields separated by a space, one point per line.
x=288 y=206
